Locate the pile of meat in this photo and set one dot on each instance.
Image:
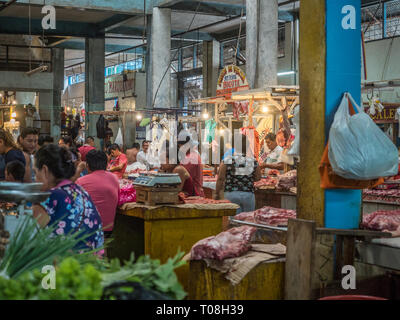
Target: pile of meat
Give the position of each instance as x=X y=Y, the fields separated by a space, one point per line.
x=228 y=244
x=127 y=192
x=382 y=220
x=266 y=183
x=268 y=216
x=287 y=180
x=391 y=195
x=199 y=200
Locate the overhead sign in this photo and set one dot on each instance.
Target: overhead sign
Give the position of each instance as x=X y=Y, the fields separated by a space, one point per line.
x=387 y=115
x=231 y=79
x=115 y=86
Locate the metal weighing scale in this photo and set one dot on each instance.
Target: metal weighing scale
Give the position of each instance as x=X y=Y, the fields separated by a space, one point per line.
x=160 y=180
x=22 y=195
x=160 y=188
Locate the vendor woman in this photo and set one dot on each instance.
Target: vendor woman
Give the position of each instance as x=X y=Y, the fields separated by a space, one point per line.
x=236 y=176
x=272 y=159
x=69 y=205
x=187 y=185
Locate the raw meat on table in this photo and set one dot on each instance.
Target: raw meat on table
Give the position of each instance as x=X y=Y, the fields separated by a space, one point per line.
x=228 y=244
x=266 y=182
x=287 y=180
x=382 y=220
x=268 y=216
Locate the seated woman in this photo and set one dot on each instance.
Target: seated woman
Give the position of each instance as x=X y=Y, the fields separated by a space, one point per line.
x=187 y=185
x=15 y=171
x=236 y=176
x=69 y=204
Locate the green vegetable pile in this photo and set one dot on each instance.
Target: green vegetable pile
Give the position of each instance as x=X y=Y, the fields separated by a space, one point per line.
x=78 y=276
x=151 y=274
x=72 y=283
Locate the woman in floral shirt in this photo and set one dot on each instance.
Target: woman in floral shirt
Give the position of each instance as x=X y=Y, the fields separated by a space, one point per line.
x=69 y=205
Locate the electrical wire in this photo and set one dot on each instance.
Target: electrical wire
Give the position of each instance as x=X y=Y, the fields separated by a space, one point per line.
x=170 y=63
x=240 y=33
x=370 y=23
x=30 y=38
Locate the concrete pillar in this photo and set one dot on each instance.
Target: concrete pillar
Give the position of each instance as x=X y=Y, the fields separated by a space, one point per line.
x=161 y=57
x=58 y=87
x=261 y=42
x=211 y=64
x=149 y=66
x=94 y=81
x=50 y=101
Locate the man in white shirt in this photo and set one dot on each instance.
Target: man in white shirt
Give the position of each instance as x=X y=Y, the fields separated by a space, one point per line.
x=146 y=158
x=36 y=119
x=273 y=157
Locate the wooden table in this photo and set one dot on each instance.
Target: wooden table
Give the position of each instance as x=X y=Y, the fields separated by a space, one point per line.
x=276 y=199
x=264 y=282
x=160 y=231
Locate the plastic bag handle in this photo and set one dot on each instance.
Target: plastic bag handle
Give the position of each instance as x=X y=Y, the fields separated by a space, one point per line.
x=355 y=105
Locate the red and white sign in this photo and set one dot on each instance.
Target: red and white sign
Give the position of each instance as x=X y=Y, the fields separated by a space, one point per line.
x=231 y=79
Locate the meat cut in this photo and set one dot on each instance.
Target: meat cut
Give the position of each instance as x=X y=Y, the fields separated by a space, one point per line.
x=274 y=216
x=382 y=220
x=199 y=200
x=228 y=244
x=266 y=183
x=268 y=216
x=287 y=180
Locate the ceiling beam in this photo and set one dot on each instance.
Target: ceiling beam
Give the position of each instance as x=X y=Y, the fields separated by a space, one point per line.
x=114 y=22
x=80 y=45
x=7 y=4
x=118 y=6
x=138 y=31
x=12 y=25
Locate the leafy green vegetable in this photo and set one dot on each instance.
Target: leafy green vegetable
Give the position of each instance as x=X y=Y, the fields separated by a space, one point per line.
x=150 y=273
x=72 y=283
x=32 y=248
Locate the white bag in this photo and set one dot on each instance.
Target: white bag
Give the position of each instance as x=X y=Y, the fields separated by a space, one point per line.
x=295 y=148
x=358 y=149
x=119 y=140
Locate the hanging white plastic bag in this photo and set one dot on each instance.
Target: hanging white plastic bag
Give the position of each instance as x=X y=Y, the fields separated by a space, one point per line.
x=119 y=140
x=358 y=149
x=295 y=148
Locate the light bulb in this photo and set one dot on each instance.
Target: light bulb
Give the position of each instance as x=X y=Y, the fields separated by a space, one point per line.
x=139 y=117
x=205 y=115
x=14 y=101
x=13 y=115
x=265 y=109
x=221 y=131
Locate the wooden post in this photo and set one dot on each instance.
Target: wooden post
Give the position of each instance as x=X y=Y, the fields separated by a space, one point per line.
x=299 y=259
x=330 y=64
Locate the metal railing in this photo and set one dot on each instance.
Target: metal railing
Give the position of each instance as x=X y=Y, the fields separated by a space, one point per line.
x=381 y=20
x=24 y=58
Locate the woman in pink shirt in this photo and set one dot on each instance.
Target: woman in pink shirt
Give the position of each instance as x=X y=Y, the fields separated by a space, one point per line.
x=103 y=188
x=192 y=163
x=118 y=162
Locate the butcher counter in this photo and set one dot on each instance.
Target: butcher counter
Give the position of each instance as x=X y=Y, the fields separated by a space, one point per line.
x=160 y=231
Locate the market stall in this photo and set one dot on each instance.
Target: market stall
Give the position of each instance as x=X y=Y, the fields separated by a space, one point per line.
x=161 y=230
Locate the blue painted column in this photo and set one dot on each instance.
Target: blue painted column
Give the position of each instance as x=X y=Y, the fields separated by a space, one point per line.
x=384 y=24
x=195 y=56
x=343 y=74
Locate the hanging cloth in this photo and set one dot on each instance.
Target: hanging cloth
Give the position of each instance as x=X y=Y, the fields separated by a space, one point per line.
x=210 y=130
x=254 y=139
